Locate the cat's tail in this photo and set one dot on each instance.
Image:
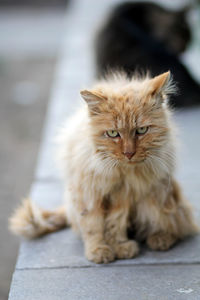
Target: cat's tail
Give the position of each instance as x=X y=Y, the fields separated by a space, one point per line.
x=30 y=221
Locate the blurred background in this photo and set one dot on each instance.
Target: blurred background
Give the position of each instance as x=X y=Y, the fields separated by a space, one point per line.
x=31 y=35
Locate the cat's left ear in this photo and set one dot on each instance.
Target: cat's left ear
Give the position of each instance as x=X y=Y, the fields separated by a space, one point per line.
x=160 y=84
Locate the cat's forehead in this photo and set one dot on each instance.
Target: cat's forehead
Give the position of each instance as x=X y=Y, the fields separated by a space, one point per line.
x=126 y=111
x=127 y=96
x=125 y=122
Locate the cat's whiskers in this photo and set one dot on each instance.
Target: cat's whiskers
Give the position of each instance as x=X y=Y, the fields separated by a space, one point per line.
x=103 y=164
x=159 y=165
x=150 y=166
x=167 y=156
x=108 y=165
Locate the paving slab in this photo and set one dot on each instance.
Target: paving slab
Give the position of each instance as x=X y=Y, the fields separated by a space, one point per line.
x=68 y=252
x=124 y=282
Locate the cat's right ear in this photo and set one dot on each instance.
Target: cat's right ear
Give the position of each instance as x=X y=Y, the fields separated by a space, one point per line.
x=92 y=99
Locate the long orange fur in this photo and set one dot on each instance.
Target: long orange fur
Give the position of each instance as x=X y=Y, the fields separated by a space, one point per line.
x=113 y=184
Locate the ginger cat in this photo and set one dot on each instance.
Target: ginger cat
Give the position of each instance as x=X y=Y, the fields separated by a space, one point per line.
x=118 y=156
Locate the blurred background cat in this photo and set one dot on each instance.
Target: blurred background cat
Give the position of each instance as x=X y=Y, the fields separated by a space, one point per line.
x=142 y=36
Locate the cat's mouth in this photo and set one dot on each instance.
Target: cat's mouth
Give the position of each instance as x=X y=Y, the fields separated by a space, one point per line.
x=134 y=161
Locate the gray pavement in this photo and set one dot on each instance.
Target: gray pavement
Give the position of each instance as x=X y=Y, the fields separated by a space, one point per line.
x=111 y=283
x=54 y=266
x=26 y=76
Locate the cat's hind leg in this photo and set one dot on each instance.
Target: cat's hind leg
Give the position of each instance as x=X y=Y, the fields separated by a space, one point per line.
x=161 y=241
x=169 y=220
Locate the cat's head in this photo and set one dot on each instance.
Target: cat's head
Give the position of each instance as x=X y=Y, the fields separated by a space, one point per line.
x=129 y=117
x=170 y=27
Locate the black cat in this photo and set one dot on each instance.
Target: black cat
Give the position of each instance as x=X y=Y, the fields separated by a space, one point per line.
x=141 y=36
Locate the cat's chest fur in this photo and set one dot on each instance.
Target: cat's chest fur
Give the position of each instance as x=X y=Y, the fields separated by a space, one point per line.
x=130 y=183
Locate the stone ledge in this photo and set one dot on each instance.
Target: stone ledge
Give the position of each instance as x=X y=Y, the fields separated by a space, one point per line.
x=68 y=252
x=124 y=282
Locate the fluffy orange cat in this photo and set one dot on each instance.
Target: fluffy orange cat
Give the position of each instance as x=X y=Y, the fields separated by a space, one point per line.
x=118 y=155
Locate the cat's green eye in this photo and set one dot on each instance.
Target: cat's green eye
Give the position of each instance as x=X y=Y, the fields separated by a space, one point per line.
x=141 y=130
x=112 y=133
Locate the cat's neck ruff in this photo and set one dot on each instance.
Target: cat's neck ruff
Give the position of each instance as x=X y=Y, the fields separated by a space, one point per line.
x=139 y=175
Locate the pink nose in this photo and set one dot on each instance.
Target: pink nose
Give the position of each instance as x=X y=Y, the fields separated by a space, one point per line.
x=129 y=154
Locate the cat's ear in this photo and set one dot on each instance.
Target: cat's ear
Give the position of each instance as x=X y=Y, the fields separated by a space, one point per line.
x=92 y=99
x=159 y=83
x=161 y=86
x=183 y=12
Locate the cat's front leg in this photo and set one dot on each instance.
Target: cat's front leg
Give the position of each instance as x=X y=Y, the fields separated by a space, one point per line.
x=92 y=229
x=116 y=234
x=126 y=249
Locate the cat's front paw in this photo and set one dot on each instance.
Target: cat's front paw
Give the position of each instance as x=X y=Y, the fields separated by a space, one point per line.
x=161 y=241
x=127 y=249
x=101 y=254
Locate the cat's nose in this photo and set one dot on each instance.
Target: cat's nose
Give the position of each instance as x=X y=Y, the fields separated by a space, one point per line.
x=129 y=154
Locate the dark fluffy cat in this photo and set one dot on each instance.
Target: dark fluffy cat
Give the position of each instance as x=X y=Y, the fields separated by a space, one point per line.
x=144 y=36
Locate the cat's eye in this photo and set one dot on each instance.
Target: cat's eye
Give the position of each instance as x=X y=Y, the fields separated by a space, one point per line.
x=141 y=130
x=112 y=133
